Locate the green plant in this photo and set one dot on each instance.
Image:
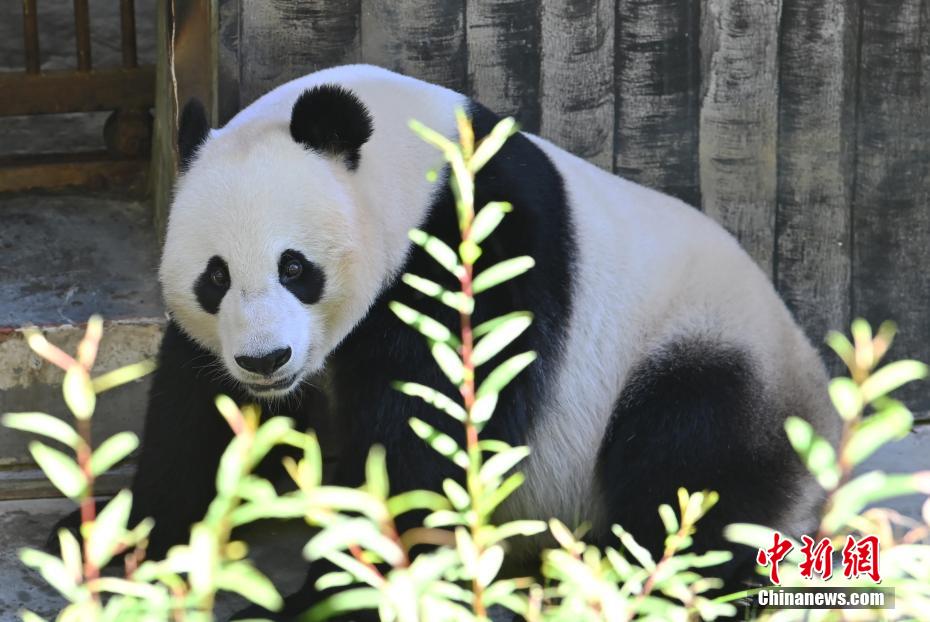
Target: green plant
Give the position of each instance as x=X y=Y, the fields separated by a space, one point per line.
x=871 y=419
x=183 y=585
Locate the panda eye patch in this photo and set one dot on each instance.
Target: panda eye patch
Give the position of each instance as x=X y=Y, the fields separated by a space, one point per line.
x=301 y=277
x=212 y=284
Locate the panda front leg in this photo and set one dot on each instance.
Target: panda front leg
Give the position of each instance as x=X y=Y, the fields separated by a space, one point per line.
x=183 y=439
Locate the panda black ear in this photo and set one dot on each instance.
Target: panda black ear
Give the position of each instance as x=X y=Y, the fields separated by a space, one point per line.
x=193 y=128
x=331 y=119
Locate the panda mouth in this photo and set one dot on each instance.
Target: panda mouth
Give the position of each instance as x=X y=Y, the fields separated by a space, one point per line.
x=274 y=386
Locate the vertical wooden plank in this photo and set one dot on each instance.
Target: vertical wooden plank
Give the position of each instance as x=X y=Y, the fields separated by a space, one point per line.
x=658 y=95
x=229 y=17
x=503 y=40
x=82 y=34
x=282 y=40
x=739 y=48
x=891 y=213
x=127 y=16
x=816 y=149
x=578 y=77
x=420 y=38
x=31 y=36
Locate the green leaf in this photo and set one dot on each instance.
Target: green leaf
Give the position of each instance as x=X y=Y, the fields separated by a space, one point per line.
x=112 y=450
x=482 y=409
x=201 y=558
x=759 y=537
x=79 y=392
x=497 y=496
x=336 y=578
x=501 y=337
x=669 y=519
x=123 y=375
x=70 y=550
x=438 y=250
x=444 y=444
x=432 y=397
x=269 y=434
x=376 y=475
x=353 y=531
x=60 y=469
x=448 y=361
x=362 y=573
x=488 y=326
x=492 y=143
x=846 y=398
x=498 y=465
x=487 y=220
x=425 y=325
x=468 y=552
x=515 y=528
x=638 y=551
x=243 y=579
x=504 y=373
x=456 y=494
x=816 y=453
x=108 y=529
x=443 y=518
x=891 y=423
x=489 y=564
x=53 y=571
x=46 y=425
x=432 y=136
x=892 y=376
x=501 y=272
x=456 y=300
x=355 y=599
x=29 y=616
x=416 y=500
x=853 y=497
x=842 y=346
x=469 y=252
x=348 y=500
x=232 y=466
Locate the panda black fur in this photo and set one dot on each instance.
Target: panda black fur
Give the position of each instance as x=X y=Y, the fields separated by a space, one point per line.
x=666 y=357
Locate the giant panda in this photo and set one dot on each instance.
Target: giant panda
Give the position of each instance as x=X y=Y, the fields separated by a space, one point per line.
x=666 y=358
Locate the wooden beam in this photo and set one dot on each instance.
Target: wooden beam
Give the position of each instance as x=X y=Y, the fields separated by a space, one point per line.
x=71 y=91
x=84 y=170
x=82 y=34
x=424 y=39
x=31 y=36
x=127 y=18
x=739 y=120
x=891 y=219
x=658 y=78
x=816 y=152
x=578 y=78
x=503 y=38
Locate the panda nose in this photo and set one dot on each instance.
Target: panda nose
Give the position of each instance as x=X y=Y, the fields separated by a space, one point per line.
x=266 y=364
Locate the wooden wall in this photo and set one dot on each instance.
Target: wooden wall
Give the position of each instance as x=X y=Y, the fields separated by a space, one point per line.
x=801 y=125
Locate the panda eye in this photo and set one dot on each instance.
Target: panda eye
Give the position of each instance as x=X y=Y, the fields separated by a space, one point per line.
x=219 y=277
x=292 y=269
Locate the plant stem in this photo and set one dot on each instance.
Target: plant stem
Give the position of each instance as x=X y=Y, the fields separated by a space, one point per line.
x=88 y=505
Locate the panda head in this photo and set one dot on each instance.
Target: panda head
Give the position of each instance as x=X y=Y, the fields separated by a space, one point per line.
x=262 y=256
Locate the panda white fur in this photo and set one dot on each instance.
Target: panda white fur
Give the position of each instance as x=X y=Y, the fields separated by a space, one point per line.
x=666 y=357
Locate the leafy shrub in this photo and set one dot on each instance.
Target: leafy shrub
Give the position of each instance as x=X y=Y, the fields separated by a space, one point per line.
x=459 y=576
